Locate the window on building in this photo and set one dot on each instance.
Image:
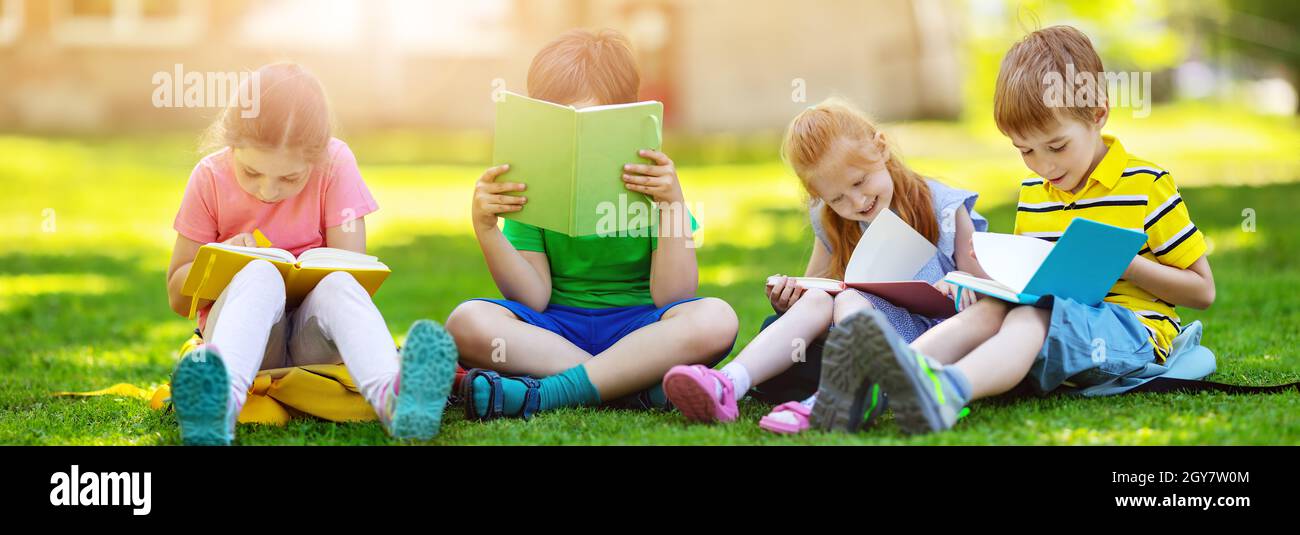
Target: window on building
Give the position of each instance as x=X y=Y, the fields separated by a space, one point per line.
x=145 y=23
x=11 y=20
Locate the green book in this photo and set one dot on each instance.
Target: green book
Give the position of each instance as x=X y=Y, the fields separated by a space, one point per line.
x=572 y=162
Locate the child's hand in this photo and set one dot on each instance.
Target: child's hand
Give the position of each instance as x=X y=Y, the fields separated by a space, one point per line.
x=243 y=239
x=659 y=181
x=783 y=294
x=968 y=297
x=489 y=201
x=972 y=250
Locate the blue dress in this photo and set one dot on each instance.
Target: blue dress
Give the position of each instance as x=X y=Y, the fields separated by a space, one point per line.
x=946 y=201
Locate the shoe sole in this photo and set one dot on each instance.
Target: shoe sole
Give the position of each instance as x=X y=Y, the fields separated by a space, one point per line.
x=200 y=392
x=886 y=364
x=842 y=389
x=690 y=398
x=428 y=371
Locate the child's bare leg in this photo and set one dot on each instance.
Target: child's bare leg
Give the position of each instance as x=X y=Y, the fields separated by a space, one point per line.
x=689 y=333
x=848 y=302
x=772 y=351
x=1002 y=361
x=490 y=336
x=956 y=336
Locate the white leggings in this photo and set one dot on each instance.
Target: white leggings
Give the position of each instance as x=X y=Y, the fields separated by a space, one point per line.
x=336 y=322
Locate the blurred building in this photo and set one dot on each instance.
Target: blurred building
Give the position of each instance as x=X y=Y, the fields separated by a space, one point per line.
x=719 y=65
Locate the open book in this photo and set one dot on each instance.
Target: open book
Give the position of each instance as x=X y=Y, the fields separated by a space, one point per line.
x=217 y=263
x=886 y=259
x=572 y=162
x=1082 y=265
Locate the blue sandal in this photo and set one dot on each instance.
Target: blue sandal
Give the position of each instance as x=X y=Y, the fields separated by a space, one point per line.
x=496 y=397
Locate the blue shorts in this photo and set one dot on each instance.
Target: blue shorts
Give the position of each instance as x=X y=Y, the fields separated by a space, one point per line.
x=592 y=329
x=1089 y=346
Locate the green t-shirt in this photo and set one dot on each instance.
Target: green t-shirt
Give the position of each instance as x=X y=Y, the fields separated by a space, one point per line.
x=592 y=271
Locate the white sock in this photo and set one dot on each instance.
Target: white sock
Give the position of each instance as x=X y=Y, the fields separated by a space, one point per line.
x=739 y=380
x=812 y=400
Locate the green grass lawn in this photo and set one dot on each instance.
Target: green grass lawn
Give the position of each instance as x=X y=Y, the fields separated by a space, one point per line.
x=84 y=306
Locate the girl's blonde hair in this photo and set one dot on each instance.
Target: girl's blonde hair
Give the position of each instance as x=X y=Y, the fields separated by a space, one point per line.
x=810 y=137
x=293 y=114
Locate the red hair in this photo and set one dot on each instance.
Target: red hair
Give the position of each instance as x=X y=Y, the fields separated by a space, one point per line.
x=811 y=135
x=584 y=64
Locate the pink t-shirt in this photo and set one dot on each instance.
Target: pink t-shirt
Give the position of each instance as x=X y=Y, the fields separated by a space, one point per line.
x=215 y=208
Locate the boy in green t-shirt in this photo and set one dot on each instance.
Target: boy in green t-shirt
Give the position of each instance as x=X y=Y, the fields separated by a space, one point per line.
x=598 y=318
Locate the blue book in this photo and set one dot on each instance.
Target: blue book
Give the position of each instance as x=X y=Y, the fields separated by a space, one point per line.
x=1082 y=265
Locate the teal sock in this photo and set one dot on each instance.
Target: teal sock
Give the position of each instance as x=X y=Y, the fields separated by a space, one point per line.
x=569 y=388
x=658 y=399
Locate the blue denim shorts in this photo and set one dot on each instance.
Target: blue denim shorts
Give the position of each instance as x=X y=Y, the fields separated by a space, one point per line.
x=592 y=329
x=1090 y=345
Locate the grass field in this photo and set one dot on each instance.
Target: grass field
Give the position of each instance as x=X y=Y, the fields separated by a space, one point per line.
x=85 y=235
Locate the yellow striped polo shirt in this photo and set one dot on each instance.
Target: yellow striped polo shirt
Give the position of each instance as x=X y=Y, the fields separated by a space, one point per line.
x=1128 y=192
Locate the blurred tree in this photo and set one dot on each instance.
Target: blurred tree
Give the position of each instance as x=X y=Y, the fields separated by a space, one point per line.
x=1129 y=35
x=1267 y=30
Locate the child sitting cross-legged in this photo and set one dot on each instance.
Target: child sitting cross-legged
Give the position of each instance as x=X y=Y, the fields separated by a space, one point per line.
x=596 y=318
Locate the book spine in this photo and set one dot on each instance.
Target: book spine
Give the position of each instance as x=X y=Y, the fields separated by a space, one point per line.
x=207 y=272
x=573 y=174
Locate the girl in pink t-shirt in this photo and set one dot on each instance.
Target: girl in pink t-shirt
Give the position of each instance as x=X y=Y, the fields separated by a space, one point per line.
x=279 y=171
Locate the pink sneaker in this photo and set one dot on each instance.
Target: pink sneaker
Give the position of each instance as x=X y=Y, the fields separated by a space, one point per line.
x=691 y=389
x=787 y=418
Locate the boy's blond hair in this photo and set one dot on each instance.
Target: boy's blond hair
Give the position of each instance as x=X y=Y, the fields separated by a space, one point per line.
x=1019 y=98
x=585 y=65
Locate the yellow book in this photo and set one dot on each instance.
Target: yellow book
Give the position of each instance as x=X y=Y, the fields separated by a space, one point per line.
x=217 y=263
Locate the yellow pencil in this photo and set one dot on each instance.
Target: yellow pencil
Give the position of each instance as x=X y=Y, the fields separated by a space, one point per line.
x=260 y=238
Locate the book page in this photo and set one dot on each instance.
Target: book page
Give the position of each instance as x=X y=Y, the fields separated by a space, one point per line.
x=538 y=140
x=336 y=259
x=268 y=253
x=890 y=250
x=971 y=281
x=608 y=138
x=984 y=286
x=329 y=254
x=590 y=109
x=1009 y=259
x=810 y=283
x=340 y=264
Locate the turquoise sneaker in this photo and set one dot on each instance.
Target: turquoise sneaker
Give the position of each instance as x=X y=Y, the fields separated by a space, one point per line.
x=847 y=399
x=201 y=396
x=922 y=396
x=413 y=408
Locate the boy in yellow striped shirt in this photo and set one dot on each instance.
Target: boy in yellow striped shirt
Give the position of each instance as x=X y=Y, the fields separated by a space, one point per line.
x=991 y=346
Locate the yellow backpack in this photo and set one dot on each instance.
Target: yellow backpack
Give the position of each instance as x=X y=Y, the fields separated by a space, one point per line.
x=278 y=395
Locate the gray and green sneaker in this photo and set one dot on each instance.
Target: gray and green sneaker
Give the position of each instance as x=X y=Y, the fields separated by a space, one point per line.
x=847 y=399
x=413 y=408
x=200 y=391
x=924 y=398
